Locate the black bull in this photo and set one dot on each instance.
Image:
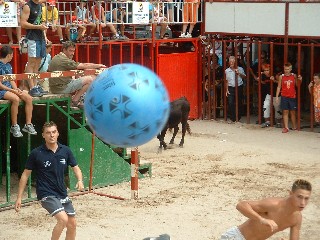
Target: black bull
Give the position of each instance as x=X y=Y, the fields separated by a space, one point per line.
x=179 y=112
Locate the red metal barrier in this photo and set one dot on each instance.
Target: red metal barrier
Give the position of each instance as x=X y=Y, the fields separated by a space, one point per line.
x=303 y=56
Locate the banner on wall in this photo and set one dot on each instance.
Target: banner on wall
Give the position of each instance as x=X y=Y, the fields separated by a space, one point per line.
x=140 y=13
x=8 y=15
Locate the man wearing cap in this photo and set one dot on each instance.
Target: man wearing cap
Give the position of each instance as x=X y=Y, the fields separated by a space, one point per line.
x=50 y=15
x=31 y=21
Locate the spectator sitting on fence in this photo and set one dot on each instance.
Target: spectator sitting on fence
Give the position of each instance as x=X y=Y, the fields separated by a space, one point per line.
x=118 y=16
x=10 y=91
x=99 y=17
x=158 y=18
x=50 y=15
x=83 y=17
x=66 y=85
x=190 y=15
x=20 y=3
x=75 y=31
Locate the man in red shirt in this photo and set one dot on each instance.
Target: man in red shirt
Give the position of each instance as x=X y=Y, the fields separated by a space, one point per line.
x=287 y=83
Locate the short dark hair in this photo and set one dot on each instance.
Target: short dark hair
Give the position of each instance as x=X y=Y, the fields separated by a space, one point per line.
x=49 y=124
x=288 y=64
x=5 y=51
x=317 y=75
x=68 y=44
x=301 y=184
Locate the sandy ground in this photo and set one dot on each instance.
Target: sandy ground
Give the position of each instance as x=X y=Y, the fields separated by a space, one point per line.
x=193 y=190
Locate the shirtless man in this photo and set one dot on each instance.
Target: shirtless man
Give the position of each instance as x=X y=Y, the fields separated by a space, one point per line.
x=271 y=215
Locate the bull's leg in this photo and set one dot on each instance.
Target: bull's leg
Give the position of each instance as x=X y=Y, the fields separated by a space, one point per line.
x=161 y=139
x=175 y=131
x=184 y=129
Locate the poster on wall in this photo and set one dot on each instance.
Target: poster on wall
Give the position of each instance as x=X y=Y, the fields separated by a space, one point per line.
x=140 y=13
x=8 y=15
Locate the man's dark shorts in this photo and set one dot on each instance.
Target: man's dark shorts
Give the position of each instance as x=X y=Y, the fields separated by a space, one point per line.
x=54 y=205
x=288 y=103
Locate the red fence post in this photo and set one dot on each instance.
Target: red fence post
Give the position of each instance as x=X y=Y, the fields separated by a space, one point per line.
x=134 y=173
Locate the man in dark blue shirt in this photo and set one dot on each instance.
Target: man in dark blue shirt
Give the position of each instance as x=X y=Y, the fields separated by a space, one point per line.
x=50 y=161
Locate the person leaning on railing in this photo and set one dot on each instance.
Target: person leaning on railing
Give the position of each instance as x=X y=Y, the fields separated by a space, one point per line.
x=67 y=85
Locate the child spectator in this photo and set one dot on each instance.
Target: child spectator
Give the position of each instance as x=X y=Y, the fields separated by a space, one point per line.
x=286 y=84
x=99 y=17
x=83 y=16
x=44 y=67
x=75 y=31
x=118 y=16
x=158 y=18
x=266 y=91
x=50 y=15
x=10 y=91
x=316 y=96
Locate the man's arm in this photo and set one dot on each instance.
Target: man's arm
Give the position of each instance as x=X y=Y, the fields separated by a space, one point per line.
x=310 y=86
x=298 y=79
x=23 y=182
x=90 y=66
x=241 y=73
x=251 y=210
x=78 y=174
x=24 y=20
x=279 y=86
x=295 y=230
x=55 y=19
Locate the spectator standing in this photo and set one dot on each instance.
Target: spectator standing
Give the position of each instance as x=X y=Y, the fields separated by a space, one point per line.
x=266 y=78
x=254 y=72
x=10 y=91
x=234 y=78
x=315 y=84
x=31 y=20
x=67 y=85
x=50 y=15
x=287 y=85
x=50 y=162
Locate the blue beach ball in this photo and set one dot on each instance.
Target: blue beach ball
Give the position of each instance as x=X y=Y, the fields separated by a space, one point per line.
x=127 y=105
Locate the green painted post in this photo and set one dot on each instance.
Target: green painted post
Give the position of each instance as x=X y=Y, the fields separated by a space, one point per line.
x=28 y=151
x=7 y=149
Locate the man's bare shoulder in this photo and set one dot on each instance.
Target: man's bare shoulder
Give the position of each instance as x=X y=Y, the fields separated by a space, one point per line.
x=266 y=204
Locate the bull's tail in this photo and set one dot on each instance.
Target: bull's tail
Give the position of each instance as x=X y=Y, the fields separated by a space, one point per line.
x=188 y=128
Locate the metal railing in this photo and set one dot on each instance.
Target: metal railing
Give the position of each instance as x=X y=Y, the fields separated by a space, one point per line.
x=119 y=12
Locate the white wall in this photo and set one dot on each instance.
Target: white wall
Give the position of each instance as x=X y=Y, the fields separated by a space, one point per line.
x=262 y=18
